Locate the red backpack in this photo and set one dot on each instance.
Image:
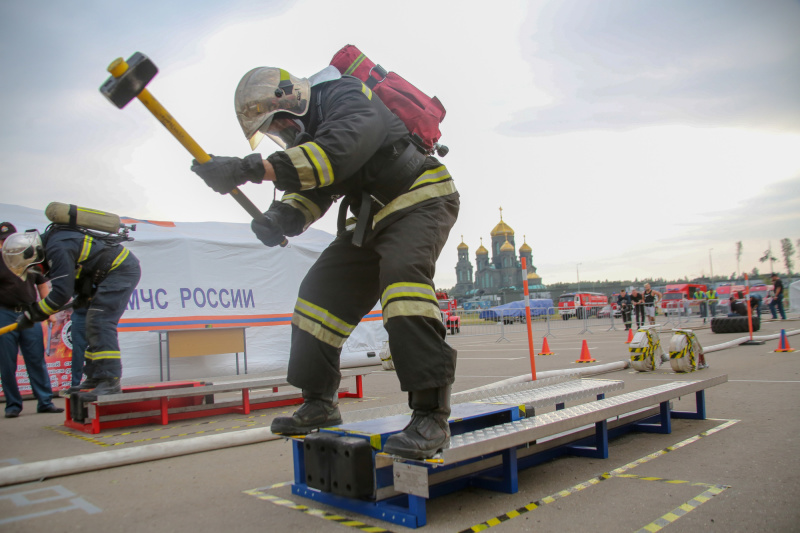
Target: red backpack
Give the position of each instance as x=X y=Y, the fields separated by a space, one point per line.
x=419 y=112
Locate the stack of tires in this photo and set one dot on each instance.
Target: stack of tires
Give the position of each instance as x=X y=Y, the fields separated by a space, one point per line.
x=733 y=324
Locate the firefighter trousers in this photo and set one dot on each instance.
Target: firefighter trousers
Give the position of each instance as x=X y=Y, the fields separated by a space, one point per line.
x=395 y=266
x=102 y=355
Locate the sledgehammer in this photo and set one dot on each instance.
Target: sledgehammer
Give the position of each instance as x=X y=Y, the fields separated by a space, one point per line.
x=128 y=81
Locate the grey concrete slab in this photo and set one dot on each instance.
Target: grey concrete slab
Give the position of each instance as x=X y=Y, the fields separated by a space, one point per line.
x=753 y=459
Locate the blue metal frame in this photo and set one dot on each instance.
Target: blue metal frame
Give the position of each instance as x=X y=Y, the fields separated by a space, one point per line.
x=410 y=511
x=700 y=411
x=660 y=424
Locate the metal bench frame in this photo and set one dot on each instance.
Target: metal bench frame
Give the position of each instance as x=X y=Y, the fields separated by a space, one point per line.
x=491 y=457
x=141 y=402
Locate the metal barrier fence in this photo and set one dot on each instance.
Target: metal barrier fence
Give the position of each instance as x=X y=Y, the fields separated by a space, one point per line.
x=678 y=314
x=544 y=321
x=588 y=319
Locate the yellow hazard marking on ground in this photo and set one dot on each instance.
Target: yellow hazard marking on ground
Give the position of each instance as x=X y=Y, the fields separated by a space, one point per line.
x=683 y=509
x=319 y=513
x=79 y=436
x=619 y=473
x=98 y=439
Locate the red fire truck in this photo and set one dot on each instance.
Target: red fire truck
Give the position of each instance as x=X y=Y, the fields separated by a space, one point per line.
x=448 y=307
x=580 y=303
x=674 y=295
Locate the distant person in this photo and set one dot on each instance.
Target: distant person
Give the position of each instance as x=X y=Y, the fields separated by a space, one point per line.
x=755 y=305
x=739 y=304
x=15 y=295
x=651 y=298
x=625 y=304
x=78 y=333
x=702 y=299
x=713 y=299
x=777 y=300
x=638 y=307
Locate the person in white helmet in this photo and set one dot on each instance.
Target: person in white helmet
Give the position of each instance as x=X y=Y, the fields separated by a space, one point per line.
x=88 y=271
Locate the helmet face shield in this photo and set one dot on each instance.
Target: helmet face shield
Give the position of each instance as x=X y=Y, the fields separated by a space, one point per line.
x=283 y=130
x=21 y=251
x=263 y=92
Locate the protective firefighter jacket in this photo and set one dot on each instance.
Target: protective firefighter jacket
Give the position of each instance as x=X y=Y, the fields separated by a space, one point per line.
x=351 y=139
x=88 y=267
x=350 y=145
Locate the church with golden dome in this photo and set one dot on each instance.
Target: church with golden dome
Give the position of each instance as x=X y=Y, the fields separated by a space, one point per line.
x=498 y=278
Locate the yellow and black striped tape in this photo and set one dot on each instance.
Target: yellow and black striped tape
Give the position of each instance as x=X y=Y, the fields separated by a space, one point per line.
x=683 y=509
x=617 y=472
x=319 y=513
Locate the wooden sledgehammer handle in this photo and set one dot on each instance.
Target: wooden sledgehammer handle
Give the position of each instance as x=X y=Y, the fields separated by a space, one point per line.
x=117 y=68
x=9 y=328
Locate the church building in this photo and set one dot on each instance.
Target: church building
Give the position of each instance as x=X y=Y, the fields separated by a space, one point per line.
x=498 y=278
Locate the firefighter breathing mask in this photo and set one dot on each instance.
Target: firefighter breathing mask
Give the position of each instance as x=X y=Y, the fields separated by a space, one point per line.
x=21 y=251
x=266 y=100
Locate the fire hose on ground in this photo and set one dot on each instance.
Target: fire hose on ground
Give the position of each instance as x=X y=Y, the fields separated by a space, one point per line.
x=12 y=475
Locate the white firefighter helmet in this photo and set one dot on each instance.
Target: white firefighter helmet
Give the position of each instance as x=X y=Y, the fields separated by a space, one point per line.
x=264 y=92
x=21 y=250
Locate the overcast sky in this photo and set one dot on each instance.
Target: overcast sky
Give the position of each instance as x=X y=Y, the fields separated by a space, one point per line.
x=637 y=138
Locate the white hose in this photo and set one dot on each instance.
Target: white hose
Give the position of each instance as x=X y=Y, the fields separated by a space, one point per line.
x=737 y=342
x=582 y=372
x=11 y=475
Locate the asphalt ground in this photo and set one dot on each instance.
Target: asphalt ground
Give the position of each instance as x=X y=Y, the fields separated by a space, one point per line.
x=735 y=471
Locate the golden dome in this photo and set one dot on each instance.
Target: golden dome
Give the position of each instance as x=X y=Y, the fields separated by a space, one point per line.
x=502 y=228
x=463 y=245
x=506 y=247
x=481 y=250
x=525 y=248
x=534 y=275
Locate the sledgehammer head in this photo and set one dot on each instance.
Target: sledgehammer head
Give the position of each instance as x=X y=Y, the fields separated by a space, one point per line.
x=128 y=79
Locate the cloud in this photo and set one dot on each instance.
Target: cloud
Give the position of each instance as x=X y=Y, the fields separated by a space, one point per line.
x=624 y=64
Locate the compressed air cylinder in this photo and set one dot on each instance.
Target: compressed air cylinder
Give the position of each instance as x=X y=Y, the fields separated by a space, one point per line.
x=81 y=216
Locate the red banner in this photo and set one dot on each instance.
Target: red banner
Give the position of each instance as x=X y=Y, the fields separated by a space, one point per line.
x=57 y=355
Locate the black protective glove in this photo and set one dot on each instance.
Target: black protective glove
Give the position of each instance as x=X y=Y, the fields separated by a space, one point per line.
x=223 y=174
x=283 y=221
x=268 y=231
x=24 y=321
x=35 y=313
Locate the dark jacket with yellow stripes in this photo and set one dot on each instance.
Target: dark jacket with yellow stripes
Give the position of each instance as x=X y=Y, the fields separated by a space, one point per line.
x=76 y=261
x=351 y=143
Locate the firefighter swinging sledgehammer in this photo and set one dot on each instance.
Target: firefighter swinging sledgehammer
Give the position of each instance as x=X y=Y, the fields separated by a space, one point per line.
x=339 y=139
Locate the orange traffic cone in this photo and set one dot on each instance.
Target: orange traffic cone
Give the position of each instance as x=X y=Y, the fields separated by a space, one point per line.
x=630 y=336
x=585 y=356
x=783 y=344
x=545 y=348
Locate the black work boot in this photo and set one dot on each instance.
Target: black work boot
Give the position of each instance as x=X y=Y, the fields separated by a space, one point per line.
x=317 y=411
x=428 y=432
x=87 y=384
x=106 y=386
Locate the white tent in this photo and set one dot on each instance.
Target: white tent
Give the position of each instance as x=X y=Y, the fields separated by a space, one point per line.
x=794 y=296
x=214 y=274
